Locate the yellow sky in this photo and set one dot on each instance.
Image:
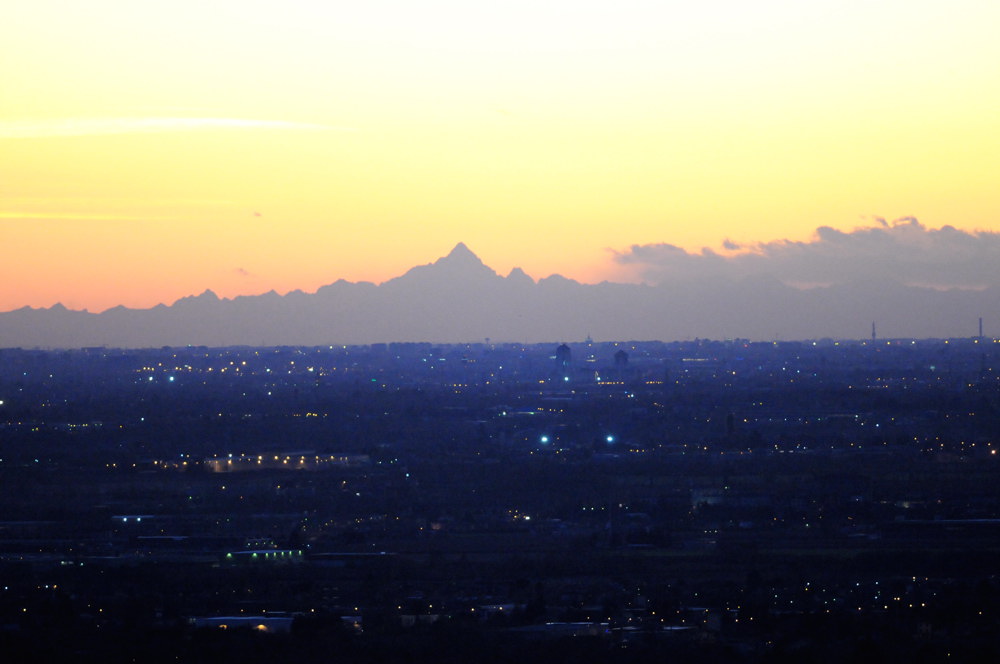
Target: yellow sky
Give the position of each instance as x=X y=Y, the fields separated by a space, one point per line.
x=150 y=150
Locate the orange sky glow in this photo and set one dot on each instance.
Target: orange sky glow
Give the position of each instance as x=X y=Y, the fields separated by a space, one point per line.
x=153 y=150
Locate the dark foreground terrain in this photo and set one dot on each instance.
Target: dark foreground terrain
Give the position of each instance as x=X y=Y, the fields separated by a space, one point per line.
x=701 y=502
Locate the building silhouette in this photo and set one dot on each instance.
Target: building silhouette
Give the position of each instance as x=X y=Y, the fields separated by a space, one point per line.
x=564 y=358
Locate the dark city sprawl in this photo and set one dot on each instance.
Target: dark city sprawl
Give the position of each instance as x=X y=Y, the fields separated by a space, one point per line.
x=701 y=501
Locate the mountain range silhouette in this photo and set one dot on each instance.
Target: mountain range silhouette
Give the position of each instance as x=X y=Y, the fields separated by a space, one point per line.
x=459 y=299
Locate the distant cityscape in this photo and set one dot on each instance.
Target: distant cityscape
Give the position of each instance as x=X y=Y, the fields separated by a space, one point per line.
x=606 y=501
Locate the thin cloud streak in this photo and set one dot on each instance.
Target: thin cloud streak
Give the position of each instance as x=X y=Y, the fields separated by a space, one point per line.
x=70 y=216
x=107 y=200
x=903 y=251
x=70 y=127
x=19 y=208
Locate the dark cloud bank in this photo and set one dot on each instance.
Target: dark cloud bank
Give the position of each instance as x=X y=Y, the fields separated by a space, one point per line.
x=913 y=281
x=902 y=251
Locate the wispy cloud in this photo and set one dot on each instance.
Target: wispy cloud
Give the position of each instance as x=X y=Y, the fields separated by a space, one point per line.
x=70 y=208
x=903 y=250
x=92 y=201
x=67 y=216
x=67 y=127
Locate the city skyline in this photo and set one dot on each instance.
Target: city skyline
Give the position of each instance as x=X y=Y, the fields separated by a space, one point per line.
x=148 y=153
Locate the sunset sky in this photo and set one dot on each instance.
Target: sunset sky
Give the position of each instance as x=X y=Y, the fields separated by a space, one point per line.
x=151 y=150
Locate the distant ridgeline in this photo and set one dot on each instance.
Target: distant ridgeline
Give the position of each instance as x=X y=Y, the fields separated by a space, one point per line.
x=458 y=299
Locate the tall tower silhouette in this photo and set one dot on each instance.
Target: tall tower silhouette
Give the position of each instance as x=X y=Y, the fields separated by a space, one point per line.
x=564 y=357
